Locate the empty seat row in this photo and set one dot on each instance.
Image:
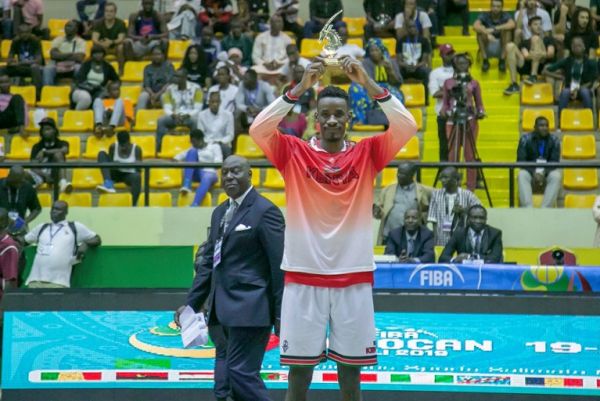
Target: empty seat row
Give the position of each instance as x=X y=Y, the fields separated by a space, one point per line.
x=570 y=119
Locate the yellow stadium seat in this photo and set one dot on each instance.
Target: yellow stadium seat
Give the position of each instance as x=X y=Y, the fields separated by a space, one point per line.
x=46 y=47
x=173 y=145
x=414 y=95
x=367 y=128
x=5 y=48
x=418 y=115
x=55 y=96
x=356 y=41
x=578 y=147
x=146 y=120
x=87 y=178
x=134 y=71
x=185 y=199
x=580 y=201
x=278 y=198
x=165 y=178
x=246 y=147
x=410 y=151
x=389 y=176
x=32 y=126
x=74 y=146
x=78 y=121
x=357 y=138
x=93 y=146
x=115 y=200
x=177 y=49
x=78 y=199
x=27 y=92
x=356 y=26
x=273 y=179
x=222 y=198
x=147 y=144
x=57 y=26
x=20 y=148
x=529 y=116
x=576 y=120
x=88 y=52
x=45 y=199
x=537 y=94
x=132 y=93
x=390 y=44
x=157 y=199
x=580 y=178
x=310 y=48
x=344 y=87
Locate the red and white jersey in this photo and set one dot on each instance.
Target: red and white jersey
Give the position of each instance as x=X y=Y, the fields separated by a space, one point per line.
x=330 y=195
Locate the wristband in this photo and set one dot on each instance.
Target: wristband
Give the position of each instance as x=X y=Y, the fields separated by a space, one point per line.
x=288 y=97
x=384 y=96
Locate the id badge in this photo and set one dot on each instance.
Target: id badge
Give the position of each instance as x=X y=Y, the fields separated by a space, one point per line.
x=447 y=226
x=574 y=85
x=44 y=250
x=217 y=253
x=540 y=170
x=13 y=215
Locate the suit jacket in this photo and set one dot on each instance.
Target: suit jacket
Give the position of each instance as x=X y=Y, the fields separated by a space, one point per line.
x=246 y=288
x=491 y=245
x=423 y=247
x=385 y=200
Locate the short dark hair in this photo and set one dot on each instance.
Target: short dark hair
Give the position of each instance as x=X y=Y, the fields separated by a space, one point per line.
x=224 y=67
x=474 y=207
x=123 y=137
x=111 y=3
x=333 y=91
x=534 y=18
x=98 y=49
x=538 y=119
x=197 y=134
x=251 y=73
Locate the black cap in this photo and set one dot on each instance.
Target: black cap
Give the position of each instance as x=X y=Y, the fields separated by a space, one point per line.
x=48 y=121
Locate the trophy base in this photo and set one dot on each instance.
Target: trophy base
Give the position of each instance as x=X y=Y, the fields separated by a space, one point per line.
x=332 y=63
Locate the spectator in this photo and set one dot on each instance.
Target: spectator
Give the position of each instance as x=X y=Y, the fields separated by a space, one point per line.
x=478 y=241
x=320 y=11
x=50 y=149
x=448 y=206
x=194 y=63
x=454 y=6
x=236 y=39
x=56 y=254
x=384 y=70
x=269 y=54
x=431 y=8
x=124 y=151
x=226 y=90
x=307 y=100
x=157 y=77
x=25 y=58
x=288 y=10
x=380 y=16
x=90 y=11
x=13 y=110
x=259 y=15
x=394 y=200
x=474 y=110
x=437 y=77
x=233 y=60
x=494 y=30
x=294 y=123
x=182 y=101
x=147 y=30
x=182 y=25
x=203 y=153
x=582 y=26
x=18 y=196
x=579 y=74
x=412 y=13
x=91 y=79
x=411 y=242
x=10 y=254
x=348 y=49
x=110 y=32
x=539 y=146
x=293 y=59
x=414 y=56
x=528 y=9
x=596 y=214
x=563 y=19
x=210 y=46
x=30 y=13
x=531 y=57
x=217 y=124
x=216 y=14
x=252 y=96
x=66 y=54
x=112 y=111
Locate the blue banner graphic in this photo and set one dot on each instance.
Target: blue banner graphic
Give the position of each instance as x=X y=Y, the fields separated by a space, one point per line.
x=503 y=353
x=487 y=277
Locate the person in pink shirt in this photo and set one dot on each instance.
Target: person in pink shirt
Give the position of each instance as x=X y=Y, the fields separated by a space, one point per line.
x=30 y=12
x=327 y=308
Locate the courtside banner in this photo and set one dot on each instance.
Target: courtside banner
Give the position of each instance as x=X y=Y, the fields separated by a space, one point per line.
x=450 y=352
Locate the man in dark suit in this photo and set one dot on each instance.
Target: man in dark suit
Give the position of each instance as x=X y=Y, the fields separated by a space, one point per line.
x=477 y=241
x=240 y=279
x=411 y=243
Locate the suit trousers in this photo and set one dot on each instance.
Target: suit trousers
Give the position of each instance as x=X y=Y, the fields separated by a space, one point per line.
x=553 y=185
x=238 y=359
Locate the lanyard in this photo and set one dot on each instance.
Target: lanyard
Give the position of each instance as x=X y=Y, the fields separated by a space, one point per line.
x=577 y=69
x=541 y=148
x=11 y=204
x=55 y=233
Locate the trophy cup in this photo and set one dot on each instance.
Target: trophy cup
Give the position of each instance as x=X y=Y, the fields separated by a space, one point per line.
x=332 y=42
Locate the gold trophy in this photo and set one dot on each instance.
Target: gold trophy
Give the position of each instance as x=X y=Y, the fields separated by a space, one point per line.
x=332 y=42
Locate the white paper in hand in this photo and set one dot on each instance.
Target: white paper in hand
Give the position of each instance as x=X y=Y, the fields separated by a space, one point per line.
x=193 y=328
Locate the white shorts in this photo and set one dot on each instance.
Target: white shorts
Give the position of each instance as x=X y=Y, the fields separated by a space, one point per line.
x=308 y=312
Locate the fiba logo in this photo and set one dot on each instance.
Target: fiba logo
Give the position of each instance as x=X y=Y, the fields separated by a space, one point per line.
x=436 y=275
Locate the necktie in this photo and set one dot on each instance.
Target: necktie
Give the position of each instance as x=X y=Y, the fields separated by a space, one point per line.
x=477 y=247
x=229 y=214
x=410 y=248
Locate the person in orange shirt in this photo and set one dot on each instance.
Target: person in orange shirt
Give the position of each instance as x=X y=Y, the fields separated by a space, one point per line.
x=112 y=111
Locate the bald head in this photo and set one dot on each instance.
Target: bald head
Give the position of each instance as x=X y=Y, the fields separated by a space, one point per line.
x=59 y=211
x=236 y=176
x=16 y=176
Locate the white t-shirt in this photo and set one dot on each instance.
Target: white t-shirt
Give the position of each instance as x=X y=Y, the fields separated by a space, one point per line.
x=227 y=96
x=421 y=15
x=540 y=12
x=211 y=153
x=437 y=77
x=54 y=258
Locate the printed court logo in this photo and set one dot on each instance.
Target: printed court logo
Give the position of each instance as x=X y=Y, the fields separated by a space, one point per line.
x=436 y=275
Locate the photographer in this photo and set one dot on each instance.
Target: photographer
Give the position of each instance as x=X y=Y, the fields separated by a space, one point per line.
x=462 y=101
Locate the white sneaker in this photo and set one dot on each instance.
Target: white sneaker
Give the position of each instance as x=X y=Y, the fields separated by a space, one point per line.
x=185 y=190
x=65 y=186
x=106 y=190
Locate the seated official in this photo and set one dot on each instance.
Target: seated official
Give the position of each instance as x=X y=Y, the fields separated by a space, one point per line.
x=477 y=242
x=411 y=243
